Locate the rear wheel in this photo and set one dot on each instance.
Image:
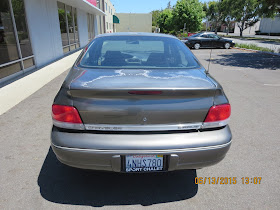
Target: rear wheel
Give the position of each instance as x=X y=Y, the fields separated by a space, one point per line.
x=196 y=46
x=227 y=45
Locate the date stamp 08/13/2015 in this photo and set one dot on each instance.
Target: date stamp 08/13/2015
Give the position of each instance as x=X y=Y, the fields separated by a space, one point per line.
x=228 y=180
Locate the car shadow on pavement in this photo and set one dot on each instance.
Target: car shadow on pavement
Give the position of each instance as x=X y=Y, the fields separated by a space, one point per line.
x=62 y=184
x=248 y=60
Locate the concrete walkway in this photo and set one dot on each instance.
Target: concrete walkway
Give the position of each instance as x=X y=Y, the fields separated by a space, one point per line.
x=275 y=46
x=254 y=36
x=12 y=94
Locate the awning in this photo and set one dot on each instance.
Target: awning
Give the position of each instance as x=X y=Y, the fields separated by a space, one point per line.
x=85 y=6
x=116 y=19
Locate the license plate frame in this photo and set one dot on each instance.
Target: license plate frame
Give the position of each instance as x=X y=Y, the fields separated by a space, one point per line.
x=123 y=164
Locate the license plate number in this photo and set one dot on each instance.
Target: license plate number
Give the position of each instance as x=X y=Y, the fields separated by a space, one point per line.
x=143 y=163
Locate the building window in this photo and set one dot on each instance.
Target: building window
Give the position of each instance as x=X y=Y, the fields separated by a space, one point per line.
x=90 y=21
x=15 y=47
x=107 y=25
x=109 y=9
x=106 y=6
x=68 y=27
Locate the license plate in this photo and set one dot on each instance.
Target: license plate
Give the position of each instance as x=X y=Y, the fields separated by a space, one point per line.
x=144 y=163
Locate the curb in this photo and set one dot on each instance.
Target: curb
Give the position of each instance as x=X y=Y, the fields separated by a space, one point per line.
x=258 y=51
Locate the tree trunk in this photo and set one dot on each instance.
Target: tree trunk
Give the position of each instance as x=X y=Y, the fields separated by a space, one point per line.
x=228 y=28
x=242 y=29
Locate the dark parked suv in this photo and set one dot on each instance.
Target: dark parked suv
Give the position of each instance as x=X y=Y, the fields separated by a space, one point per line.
x=139 y=102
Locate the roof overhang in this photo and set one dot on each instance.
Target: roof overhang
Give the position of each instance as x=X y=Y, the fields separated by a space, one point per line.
x=85 y=6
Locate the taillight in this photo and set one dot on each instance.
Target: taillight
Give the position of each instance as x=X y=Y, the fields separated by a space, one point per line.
x=217 y=116
x=66 y=117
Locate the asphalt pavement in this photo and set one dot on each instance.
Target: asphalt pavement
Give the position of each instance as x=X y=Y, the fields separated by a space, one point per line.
x=32 y=178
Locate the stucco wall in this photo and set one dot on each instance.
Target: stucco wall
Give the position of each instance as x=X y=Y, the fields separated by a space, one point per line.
x=82 y=27
x=44 y=30
x=134 y=22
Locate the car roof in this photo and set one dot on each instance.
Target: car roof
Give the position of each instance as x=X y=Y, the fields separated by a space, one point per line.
x=135 y=34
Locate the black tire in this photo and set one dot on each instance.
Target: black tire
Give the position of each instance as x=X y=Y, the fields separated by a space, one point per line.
x=196 y=46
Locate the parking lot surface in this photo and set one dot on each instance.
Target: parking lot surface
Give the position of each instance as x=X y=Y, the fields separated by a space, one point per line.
x=32 y=178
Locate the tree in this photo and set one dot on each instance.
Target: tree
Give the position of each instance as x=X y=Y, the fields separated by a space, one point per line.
x=270 y=7
x=226 y=8
x=155 y=16
x=215 y=14
x=169 y=5
x=165 y=21
x=189 y=12
x=246 y=13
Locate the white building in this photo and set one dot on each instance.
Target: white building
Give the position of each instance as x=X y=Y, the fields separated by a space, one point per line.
x=270 y=25
x=34 y=33
x=265 y=26
x=110 y=12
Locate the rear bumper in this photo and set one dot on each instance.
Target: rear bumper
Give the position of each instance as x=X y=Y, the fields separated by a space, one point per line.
x=186 y=150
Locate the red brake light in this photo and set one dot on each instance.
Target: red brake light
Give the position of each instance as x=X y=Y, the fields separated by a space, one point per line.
x=68 y=114
x=218 y=113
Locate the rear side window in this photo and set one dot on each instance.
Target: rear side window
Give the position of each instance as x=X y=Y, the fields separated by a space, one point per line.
x=138 y=52
x=213 y=36
x=195 y=35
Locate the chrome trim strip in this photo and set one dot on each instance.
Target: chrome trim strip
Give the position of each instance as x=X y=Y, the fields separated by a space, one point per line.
x=187 y=126
x=74 y=126
x=131 y=151
x=107 y=127
x=215 y=124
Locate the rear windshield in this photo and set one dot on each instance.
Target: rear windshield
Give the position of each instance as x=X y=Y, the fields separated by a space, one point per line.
x=138 y=52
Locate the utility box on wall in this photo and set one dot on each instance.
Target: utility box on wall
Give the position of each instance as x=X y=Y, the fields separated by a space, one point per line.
x=134 y=22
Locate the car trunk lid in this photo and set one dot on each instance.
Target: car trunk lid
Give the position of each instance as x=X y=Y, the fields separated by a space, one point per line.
x=141 y=97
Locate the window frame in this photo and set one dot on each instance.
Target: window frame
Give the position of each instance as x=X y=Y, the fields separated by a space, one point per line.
x=21 y=59
x=68 y=48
